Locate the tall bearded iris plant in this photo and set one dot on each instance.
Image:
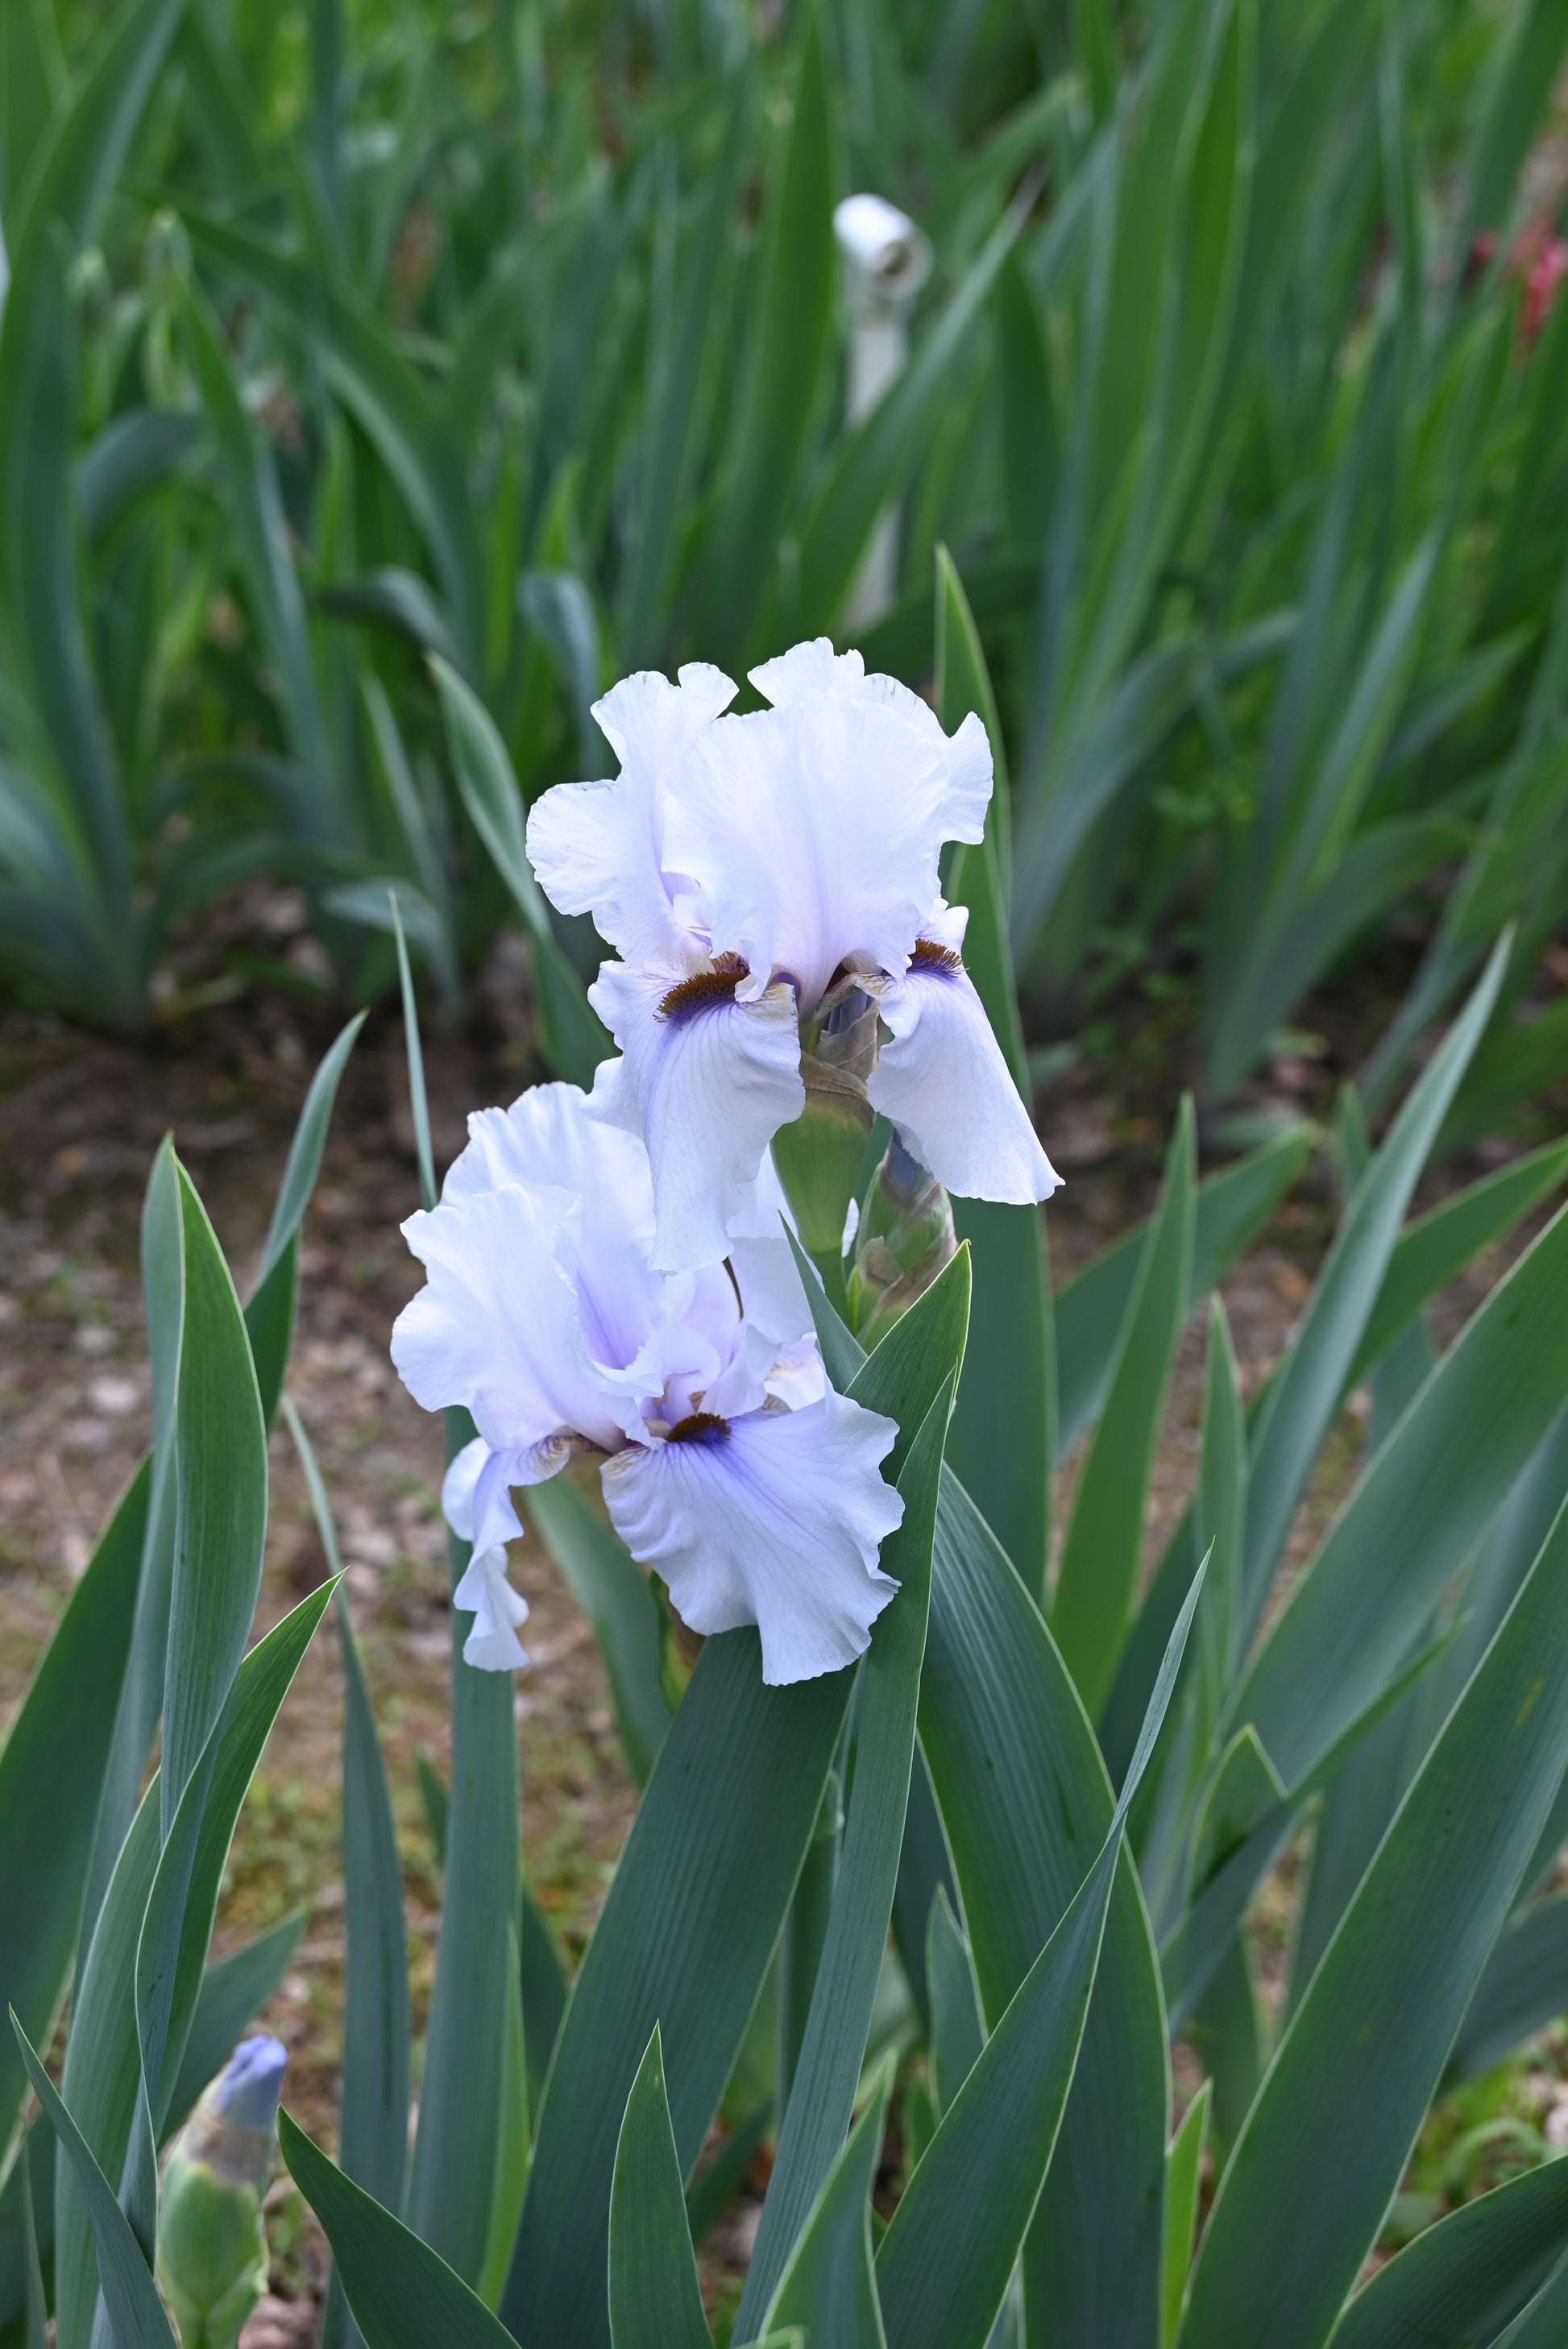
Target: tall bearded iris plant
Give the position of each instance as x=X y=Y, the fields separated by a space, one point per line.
x=956 y=1760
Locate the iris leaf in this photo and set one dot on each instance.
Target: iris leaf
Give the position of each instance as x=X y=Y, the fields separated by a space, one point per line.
x=654 y=2303
x=402 y=2293
x=1374 y=2028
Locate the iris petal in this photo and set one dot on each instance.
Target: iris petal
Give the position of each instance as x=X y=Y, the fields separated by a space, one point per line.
x=777 y=1524
x=545 y=1140
x=706 y=1087
x=492 y=1644
x=597 y=848
x=476 y=1502
x=815 y=669
x=814 y=833
x=496 y=1327
x=943 y=1081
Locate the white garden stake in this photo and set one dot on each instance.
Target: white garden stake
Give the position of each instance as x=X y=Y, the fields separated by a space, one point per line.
x=887 y=260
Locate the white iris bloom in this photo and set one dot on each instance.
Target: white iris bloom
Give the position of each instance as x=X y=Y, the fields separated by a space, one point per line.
x=754 y=872
x=730 y=1464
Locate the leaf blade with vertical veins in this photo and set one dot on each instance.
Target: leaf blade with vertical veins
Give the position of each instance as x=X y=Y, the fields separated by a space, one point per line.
x=1524 y=1985
x=234 y=1990
x=830 y=2287
x=1026 y=1803
x=945 y=2263
x=1304 y=1393
x=1183 y=2170
x=52 y=1768
x=135 y=2313
x=790 y=344
x=102 y=2075
x=1437 y=1249
x=654 y=2303
x=1001 y=1442
x=402 y=2293
x=714 y=1853
x=1462 y=2282
x=373 y=2092
x=1376 y=2023
x=1092 y=1611
x=1229 y=1210
x=221 y=1466
x=617 y=1597
x=1423 y=1502
x=385 y=397
x=827 y=2073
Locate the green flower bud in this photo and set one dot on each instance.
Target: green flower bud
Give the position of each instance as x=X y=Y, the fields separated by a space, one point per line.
x=904 y=1239
x=819 y=1158
x=212 y=2243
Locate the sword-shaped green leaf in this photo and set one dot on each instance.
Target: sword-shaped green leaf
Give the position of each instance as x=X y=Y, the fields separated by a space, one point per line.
x=1001 y=1443
x=135 y=2313
x=654 y=2303
x=830 y=2288
x=403 y=2294
x=945 y=2263
x=1092 y=1608
x=1374 y=2029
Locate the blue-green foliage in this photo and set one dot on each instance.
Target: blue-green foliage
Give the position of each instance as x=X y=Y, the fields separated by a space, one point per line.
x=514 y=340
x=363 y=411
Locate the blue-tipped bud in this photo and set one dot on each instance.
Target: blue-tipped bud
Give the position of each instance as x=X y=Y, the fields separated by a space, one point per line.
x=211 y=2246
x=247 y=2089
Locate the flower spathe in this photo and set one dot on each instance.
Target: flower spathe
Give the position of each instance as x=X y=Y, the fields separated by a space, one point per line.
x=755 y=871
x=729 y=1464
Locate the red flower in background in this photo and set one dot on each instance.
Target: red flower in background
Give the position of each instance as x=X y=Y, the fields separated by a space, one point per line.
x=1539 y=260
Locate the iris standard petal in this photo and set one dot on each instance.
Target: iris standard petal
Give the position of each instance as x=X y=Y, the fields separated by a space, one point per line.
x=943 y=1081
x=707 y=1080
x=496 y=1326
x=598 y=848
x=815 y=669
x=812 y=833
x=772 y=1519
x=548 y=1139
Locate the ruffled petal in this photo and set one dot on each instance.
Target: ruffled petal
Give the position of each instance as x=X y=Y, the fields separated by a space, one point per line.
x=774 y=1521
x=815 y=669
x=597 y=848
x=547 y=1138
x=814 y=833
x=492 y=1644
x=478 y=1507
x=476 y=1496
x=706 y=1082
x=496 y=1326
x=807 y=669
x=943 y=1081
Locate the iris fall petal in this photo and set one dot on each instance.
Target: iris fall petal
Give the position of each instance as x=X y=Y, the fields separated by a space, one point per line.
x=706 y=1082
x=941 y=1079
x=774 y=1521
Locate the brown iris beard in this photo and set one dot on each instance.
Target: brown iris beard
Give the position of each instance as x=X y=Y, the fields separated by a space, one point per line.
x=705 y=988
x=929 y=956
x=701 y=1427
